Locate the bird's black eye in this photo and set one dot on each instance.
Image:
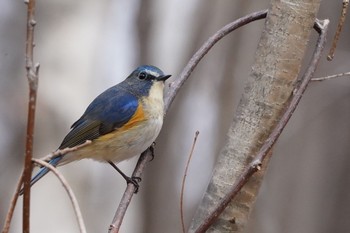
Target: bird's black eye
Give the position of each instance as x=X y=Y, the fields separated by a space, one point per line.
x=142 y=75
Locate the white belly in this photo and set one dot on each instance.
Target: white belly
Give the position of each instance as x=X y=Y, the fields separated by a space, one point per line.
x=120 y=146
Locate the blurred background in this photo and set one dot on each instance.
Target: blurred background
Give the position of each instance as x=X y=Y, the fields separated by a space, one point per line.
x=84 y=47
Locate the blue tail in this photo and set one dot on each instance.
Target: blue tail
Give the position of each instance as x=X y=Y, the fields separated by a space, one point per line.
x=42 y=172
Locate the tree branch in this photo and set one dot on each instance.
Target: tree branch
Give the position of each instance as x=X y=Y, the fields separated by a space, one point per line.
x=339 y=28
x=341 y=75
x=174 y=88
x=204 y=49
x=13 y=203
x=184 y=181
x=255 y=165
x=129 y=192
x=69 y=190
x=9 y=214
x=32 y=76
x=65 y=151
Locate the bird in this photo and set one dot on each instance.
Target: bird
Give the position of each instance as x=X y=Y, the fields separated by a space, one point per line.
x=121 y=122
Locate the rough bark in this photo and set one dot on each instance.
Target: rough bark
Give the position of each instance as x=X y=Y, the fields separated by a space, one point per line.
x=277 y=64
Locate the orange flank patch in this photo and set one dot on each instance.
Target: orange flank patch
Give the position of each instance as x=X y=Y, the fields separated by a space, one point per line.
x=138 y=117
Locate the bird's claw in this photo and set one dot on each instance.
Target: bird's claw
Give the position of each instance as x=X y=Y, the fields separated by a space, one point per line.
x=135 y=180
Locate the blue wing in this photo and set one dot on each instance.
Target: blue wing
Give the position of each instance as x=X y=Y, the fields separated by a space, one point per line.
x=110 y=110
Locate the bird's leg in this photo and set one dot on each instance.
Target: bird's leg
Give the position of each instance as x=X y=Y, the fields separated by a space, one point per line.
x=152 y=150
x=134 y=179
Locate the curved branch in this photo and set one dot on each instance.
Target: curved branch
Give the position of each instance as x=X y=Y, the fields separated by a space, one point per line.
x=9 y=214
x=173 y=90
x=13 y=203
x=184 y=181
x=197 y=57
x=69 y=190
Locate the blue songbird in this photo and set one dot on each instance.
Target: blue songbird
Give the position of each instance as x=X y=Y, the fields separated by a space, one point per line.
x=122 y=122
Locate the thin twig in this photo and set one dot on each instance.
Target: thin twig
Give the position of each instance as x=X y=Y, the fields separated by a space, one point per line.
x=341 y=75
x=339 y=28
x=32 y=76
x=69 y=192
x=65 y=151
x=254 y=166
x=174 y=88
x=13 y=203
x=184 y=181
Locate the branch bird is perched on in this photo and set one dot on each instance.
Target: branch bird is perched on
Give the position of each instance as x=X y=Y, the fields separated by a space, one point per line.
x=121 y=122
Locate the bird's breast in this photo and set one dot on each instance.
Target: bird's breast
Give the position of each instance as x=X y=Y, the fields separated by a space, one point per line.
x=153 y=104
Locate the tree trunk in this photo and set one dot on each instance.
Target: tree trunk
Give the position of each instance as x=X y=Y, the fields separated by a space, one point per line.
x=277 y=64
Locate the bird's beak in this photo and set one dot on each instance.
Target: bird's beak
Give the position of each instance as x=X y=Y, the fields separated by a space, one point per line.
x=163 y=77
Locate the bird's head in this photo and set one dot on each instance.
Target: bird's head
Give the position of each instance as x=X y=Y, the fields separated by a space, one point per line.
x=148 y=73
x=146 y=77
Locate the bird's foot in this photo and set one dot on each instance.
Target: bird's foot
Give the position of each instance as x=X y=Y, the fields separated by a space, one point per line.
x=135 y=180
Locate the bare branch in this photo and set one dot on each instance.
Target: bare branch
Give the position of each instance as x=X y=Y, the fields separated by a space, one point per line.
x=339 y=28
x=145 y=157
x=173 y=90
x=197 y=57
x=32 y=76
x=341 y=75
x=13 y=203
x=64 y=151
x=16 y=194
x=263 y=152
x=184 y=181
x=69 y=190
